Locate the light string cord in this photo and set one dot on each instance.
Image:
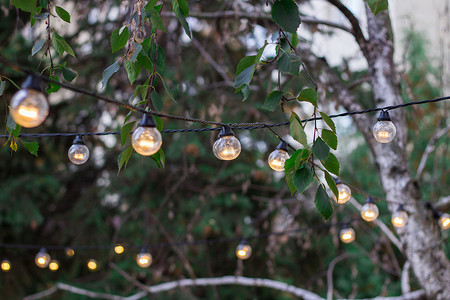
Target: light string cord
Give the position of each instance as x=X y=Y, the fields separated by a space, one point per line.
x=238 y=126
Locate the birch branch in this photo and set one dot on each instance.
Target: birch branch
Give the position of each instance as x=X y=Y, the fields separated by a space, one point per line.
x=406 y=287
x=330 y=274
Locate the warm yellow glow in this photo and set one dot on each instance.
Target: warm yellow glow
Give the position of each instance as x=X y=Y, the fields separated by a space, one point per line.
x=70 y=252
x=119 y=249
x=445 y=221
x=6 y=266
x=144 y=259
x=398 y=221
x=227 y=148
x=54 y=265
x=344 y=193
x=41 y=260
x=92 y=264
x=243 y=251
x=78 y=156
x=347 y=235
x=369 y=214
x=383 y=134
x=28 y=112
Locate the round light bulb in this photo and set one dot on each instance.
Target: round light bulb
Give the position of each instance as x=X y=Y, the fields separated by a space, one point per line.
x=6 y=265
x=146 y=140
x=227 y=147
x=277 y=159
x=243 y=251
x=369 y=212
x=347 y=235
x=119 y=249
x=53 y=265
x=399 y=218
x=384 y=130
x=69 y=252
x=344 y=193
x=92 y=265
x=144 y=259
x=444 y=221
x=42 y=259
x=29 y=108
x=78 y=153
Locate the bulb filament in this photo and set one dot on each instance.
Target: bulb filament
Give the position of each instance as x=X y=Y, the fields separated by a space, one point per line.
x=398 y=220
x=29 y=112
x=383 y=134
x=78 y=156
x=347 y=236
x=446 y=222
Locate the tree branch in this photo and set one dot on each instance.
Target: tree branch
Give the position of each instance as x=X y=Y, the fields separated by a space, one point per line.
x=406 y=287
x=330 y=274
x=440 y=132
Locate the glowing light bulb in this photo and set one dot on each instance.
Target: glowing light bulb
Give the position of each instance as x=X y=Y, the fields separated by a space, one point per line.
x=53 y=265
x=119 y=249
x=42 y=259
x=69 y=252
x=78 y=153
x=278 y=157
x=92 y=265
x=347 y=234
x=369 y=211
x=344 y=192
x=5 y=265
x=243 y=250
x=399 y=217
x=444 y=221
x=144 y=259
x=227 y=146
x=146 y=139
x=384 y=130
x=29 y=106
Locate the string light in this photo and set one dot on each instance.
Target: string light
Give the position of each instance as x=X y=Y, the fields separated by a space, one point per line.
x=347 y=234
x=146 y=139
x=5 y=265
x=53 y=265
x=29 y=106
x=344 y=192
x=227 y=146
x=444 y=221
x=369 y=211
x=92 y=265
x=243 y=250
x=69 y=252
x=78 y=153
x=384 y=130
x=119 y=249
x=42 y=259
x=278 y=157
x=399 y=217
x=144 y=259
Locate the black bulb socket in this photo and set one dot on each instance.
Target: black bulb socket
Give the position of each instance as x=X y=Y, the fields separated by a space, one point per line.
x=401 y=207
x=147 y=121
x=225 y=131
x=32 y=82
x=282 y=146
x=436 y=213
x=78 y=140
x=337 y=180
x=369 y=200
x=384 y=116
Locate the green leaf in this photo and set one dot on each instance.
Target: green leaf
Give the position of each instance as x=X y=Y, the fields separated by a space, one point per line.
x=245 y=92
x=285 y=13
x=2 y=86
x=144 y=61
x=159 y=58
x=119 y=38
x=329 y=122
x=331 y=164
x=159 y=123
x=25 y=5
x=157 y=101
x=273 y=100
x=290 y=180
x=155 y=19
x=68 y=74
x=302 y=158
x=244 y=63
x=32 y=147
x=167 y=88
x=124 y=157
x=296 y=130
x=137 y=49
x=159 y=158
x=37 y=47
x=61 y=45
x=133 y=71
x=377 y=6
x=290 y=162
x=245 y=77
x=323 y=203
x=53 y=87
x=330 y=138
x=308 y=95
x=320 y=149
x=62 y=13
x=302 y=178
x=108 y=72
x=181 y=10
x=125 y=132
x=289 y=63
x=331 y=184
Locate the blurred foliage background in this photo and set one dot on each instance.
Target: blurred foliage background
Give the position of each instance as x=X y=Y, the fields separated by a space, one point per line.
x=49 y=201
